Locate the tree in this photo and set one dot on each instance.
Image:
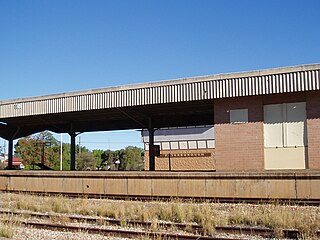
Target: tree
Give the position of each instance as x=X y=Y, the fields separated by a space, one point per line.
x=38 y=148
x=97 y=154
x=86 y=161
x=133 y=158
x=109 y=158
x=44 y=147
x=130 y=158
x=65 y=158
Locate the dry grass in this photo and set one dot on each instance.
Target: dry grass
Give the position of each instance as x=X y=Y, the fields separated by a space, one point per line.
x=278 y=217
x=7 y=230
x=304 y=218
x=60 y=219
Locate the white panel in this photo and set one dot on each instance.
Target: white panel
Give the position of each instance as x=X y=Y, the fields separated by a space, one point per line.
x=286 y=123
x=211 y=143
x=296 y=112
x=174 y=145
x=273 y=127
x=183 y=145
x=202 y=144
x=295 y=125
x=285 y=158
x=295 y=134
x=239 y=116
x=165 y=145
x=273 y=113
x=181 y=134
x=192 y=144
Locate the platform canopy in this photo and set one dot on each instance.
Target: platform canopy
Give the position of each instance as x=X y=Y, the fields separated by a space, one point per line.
x=137 y=117
x=181 y=102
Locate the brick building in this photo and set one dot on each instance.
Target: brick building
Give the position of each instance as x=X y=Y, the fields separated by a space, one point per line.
x=259 y=120
x=279 y=129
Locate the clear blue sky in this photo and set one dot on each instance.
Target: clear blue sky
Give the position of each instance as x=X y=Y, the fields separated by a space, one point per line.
x=67 y=45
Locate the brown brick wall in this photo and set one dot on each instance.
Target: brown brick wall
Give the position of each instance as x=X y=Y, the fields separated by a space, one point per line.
x=239 y=146
x=313 y=128
x=192 y=162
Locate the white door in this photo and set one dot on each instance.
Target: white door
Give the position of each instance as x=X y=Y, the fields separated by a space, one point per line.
x=285 y=136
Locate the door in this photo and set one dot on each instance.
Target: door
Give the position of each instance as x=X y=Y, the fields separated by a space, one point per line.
x=285 y=136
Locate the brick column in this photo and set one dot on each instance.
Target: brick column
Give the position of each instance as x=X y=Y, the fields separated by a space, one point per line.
x=313 y=129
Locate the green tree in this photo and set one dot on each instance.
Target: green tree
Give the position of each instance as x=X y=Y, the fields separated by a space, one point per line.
x=130 y=158
x=43 y=146
x=65 y=158
x=37 y=148
x=98 y=155
x=133 y=158
x=108 y=159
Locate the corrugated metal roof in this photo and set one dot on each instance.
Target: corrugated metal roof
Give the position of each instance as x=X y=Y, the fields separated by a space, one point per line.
x=270 y=81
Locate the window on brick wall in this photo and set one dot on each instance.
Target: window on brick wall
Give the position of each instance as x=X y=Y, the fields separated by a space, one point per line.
x=239 y=116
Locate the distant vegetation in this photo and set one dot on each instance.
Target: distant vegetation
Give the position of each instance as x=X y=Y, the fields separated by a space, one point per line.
x=44 y=148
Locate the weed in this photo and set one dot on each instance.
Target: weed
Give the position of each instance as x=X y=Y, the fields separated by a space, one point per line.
x=7 y=230
x=60 y=219
x=273 y=215
x=154 y=225
x=123 y=222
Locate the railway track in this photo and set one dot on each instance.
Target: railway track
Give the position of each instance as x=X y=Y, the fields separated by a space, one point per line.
x=195 y=231
x=121 y=232
x=286 y=201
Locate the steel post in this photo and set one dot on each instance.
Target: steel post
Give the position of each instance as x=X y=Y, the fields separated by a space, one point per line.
x=72 y=151
x=10 y=154
x=151 y=147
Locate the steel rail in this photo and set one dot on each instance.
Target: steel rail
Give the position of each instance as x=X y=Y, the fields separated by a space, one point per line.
x=119 y=232
x=195 y=228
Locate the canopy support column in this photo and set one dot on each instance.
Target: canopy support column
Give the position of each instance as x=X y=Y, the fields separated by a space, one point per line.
x=151 y=147
x=10 y=154
x=72 y=149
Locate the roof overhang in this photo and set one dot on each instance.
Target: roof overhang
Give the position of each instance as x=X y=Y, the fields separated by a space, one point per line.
x=179 y=102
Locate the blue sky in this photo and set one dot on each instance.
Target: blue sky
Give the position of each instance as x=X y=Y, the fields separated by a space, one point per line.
x=58 y=46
